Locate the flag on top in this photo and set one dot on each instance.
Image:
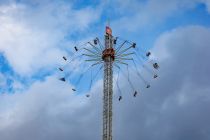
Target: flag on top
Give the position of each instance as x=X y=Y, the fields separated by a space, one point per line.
x=108 y=30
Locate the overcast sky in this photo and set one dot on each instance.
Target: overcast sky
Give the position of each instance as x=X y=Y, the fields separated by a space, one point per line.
x=35 y=34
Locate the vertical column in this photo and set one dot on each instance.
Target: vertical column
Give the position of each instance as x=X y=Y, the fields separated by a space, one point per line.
x=108 y=91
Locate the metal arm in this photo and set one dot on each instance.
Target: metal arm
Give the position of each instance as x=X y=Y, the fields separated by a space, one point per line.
x=91 y=52
x=127 y=54
x=124 y=50
x=120 y=46
x=97 y=49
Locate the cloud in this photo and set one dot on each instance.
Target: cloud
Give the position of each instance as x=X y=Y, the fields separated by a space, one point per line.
x=137 y=15
x=175 y=107
x=2 y=81
x=49 y=109
x=172 y=107
x=207 y=4
x=33 y=38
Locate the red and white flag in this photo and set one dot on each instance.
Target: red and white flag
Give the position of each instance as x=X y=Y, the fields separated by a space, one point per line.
x=108 y=30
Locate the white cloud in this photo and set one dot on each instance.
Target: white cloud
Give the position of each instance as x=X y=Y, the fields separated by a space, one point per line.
x=172 y=106
x=170 y=109
x=32 y=39
x=166 y=41
x=49 y=106
x=207 y=4
x=147 y=14
x=3 y=82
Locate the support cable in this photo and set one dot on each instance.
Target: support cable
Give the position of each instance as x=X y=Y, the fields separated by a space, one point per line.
x=83 y=73
x=95 y=48
x=128 y=76
x=123 y=55
x=130 y=42
x=138 y=73
x=68 y=62
x=118 y=88
x=95 y=53
x=146 y=68
x=119 y=48
x=91 y=55
x=100 y=45
x=91 y=79
x=94 y=77
x=69 y=73
x=123 y=51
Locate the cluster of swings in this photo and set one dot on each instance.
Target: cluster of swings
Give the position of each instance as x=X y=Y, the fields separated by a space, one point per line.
x=89 y=57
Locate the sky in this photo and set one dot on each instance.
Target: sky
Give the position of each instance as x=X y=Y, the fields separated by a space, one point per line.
x=35 y=34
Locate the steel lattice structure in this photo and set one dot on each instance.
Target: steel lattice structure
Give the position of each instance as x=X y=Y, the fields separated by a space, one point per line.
x=109 y=56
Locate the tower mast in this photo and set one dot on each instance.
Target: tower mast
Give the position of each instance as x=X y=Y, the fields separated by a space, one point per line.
x=108 y=58
x=108 y=55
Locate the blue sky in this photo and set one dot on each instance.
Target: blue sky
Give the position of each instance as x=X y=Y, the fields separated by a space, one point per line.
x=144 y=36
x=35 y=34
